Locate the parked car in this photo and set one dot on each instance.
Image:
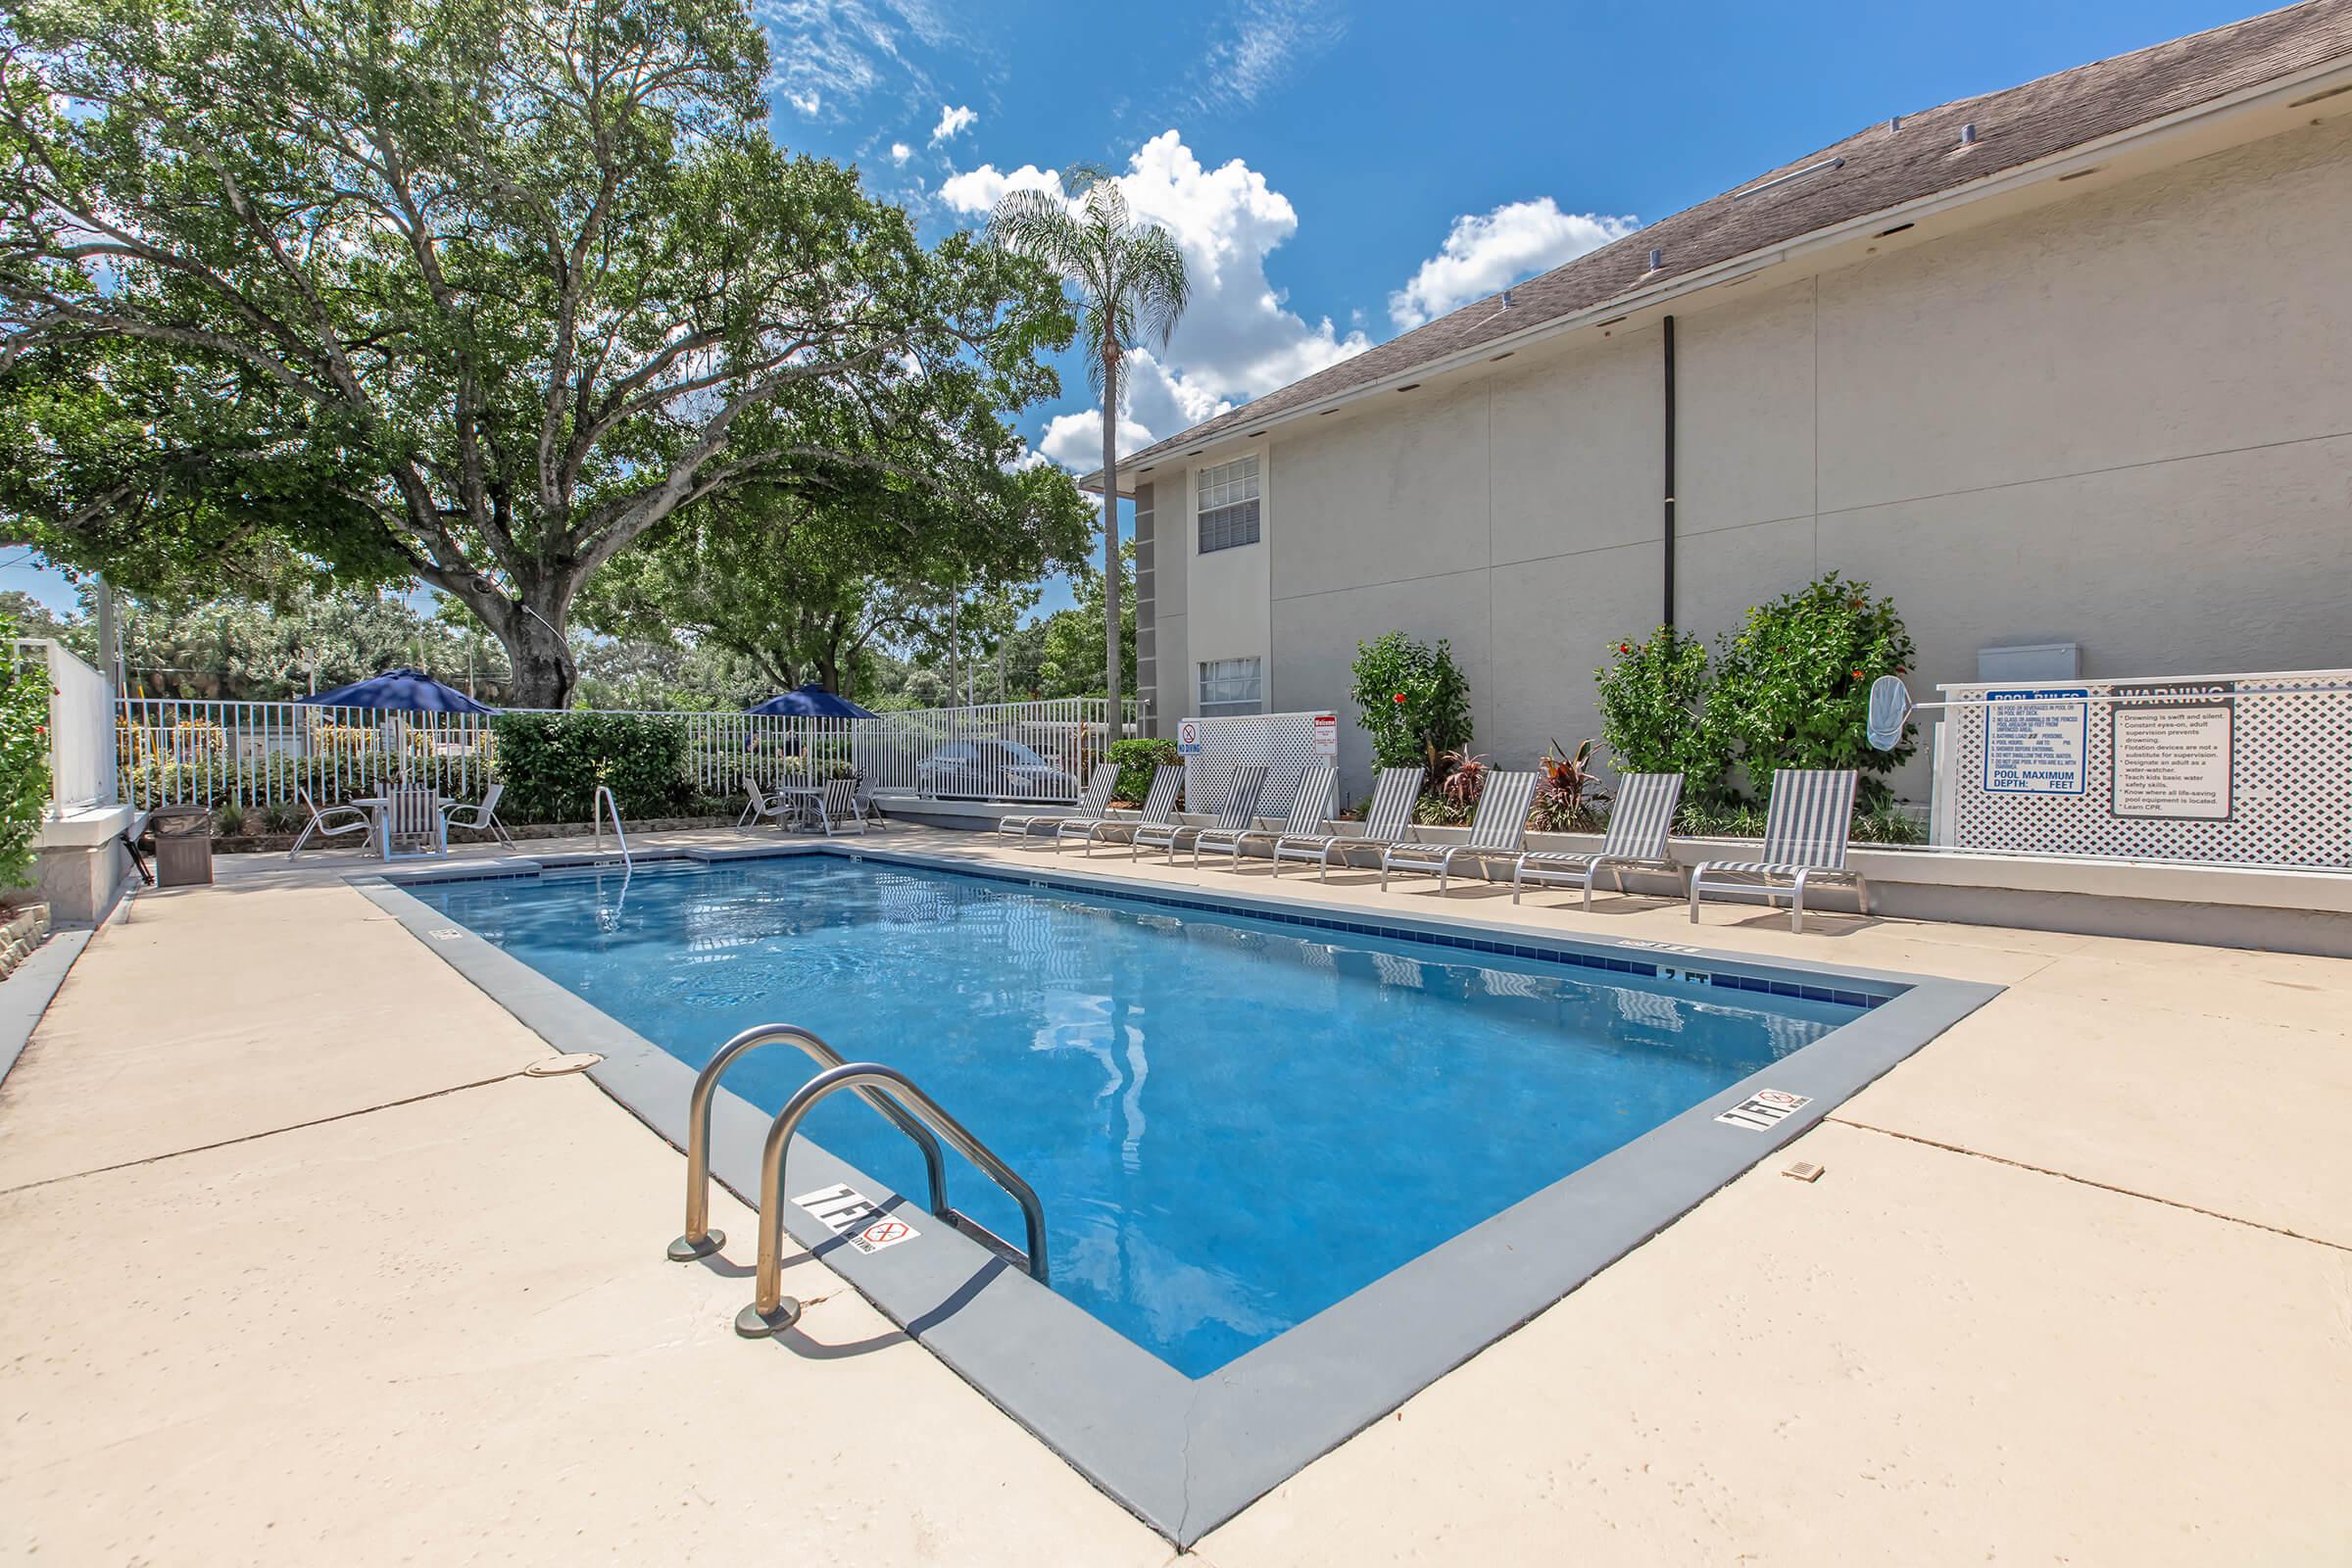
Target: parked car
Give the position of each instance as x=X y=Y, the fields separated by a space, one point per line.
x=993 y=770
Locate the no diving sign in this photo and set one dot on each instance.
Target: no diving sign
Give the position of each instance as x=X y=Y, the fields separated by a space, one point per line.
x=1764 y=1109
x=847 y=1212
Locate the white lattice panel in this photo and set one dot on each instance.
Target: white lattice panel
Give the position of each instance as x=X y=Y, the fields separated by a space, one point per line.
x=2288 y=782
x=1284 y=742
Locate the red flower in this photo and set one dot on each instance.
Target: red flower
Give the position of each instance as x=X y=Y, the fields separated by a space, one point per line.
x=1399 y=697
x=1625 y=647
x=1857 y=674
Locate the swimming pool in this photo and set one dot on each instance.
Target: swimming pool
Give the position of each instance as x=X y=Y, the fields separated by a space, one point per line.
x=1245 y=1107
x=1233 y=1123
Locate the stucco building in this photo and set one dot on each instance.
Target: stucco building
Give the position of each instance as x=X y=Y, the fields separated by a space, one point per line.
x=2066 y=366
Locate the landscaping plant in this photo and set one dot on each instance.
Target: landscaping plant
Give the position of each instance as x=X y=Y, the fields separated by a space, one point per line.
x=552 y=762
x=1655 y=716
x=1792 y=686
x=23 y=767
x=1137 y=760
x=1566 y=801
x=1414 y=703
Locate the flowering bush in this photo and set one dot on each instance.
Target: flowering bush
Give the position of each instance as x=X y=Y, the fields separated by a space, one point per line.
x=1413 y=702
x=1792 y=687
x=1654 y=715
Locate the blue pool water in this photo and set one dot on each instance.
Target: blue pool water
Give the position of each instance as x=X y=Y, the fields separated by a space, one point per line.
x=1232 y=1123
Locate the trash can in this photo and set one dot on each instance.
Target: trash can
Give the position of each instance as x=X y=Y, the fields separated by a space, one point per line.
x=183 y=845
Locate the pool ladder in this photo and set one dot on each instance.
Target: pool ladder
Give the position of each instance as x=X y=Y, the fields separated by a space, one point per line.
x=900 y=1101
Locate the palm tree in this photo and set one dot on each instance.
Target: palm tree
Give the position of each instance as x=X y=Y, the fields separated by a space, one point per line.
x=1131 y=285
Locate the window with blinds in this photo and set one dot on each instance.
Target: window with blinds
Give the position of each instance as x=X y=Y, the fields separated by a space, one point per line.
x=1230 y=686
x=1228 y=499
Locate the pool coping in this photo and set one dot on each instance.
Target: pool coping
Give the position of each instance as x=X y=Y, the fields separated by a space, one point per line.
x=1186 y=1454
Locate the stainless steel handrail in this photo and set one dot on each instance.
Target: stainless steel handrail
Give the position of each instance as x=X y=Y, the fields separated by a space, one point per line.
x=771 y=1309
x=700 y=1239
x=597 y=807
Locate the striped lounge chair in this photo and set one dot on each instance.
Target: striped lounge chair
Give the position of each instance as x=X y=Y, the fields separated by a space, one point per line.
x=1090 y=808
x=1636 y=837
x=1238 y=810
x=1310 y=804
x=1390 y=822
x=1496 y=831
x=1804 y=841
x=837 y=807
x=1158 y=806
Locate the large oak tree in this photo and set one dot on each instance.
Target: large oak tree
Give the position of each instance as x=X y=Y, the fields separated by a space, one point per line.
x=473 y=292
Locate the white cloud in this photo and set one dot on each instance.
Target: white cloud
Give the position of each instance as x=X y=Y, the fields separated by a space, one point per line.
x=1484 y=254
x=830 y=55
x=899 y=152
x=1238 y=339
x=952 y=123
x=1259 y=45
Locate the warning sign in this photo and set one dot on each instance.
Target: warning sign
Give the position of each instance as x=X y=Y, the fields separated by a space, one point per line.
x=1765 y=1109
x=847 y=1212
x=1326 y=737
x=1187 y=737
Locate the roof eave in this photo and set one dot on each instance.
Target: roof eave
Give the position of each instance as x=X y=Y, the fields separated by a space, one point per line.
x=1749 y=263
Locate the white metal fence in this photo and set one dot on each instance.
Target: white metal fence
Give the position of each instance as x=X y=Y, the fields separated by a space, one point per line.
x=175 y=751
x=82 y=750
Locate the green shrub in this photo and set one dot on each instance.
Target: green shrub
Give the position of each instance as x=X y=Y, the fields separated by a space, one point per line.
x=1792 y=687
x=1654 y=715
x=1137 y=760
x=229 y=819
x=552 y=763
x=1412 y=701
x=24 y=767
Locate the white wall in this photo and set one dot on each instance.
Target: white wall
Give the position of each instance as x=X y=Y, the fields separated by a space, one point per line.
x=2123 y=419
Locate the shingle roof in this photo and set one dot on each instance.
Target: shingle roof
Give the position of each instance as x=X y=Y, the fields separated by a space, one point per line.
x=1884 y=167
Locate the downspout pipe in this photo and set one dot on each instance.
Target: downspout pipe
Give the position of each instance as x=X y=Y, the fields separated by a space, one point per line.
x=1668 y=585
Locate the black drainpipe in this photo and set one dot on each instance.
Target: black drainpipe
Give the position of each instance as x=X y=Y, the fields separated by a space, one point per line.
x=1669 y=573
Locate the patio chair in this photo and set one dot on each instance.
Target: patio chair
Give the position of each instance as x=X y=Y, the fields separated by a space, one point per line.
x=327 y=823
x=1159 y=806
x=763 y=807
x=482 y=819
x=1091 y=805
x=1497 y=829
x=1805 y=830
x=1390 y=822
x=837 y=807
x=414 y=816
x=862 y=798
x=1238 y=810
x=1636 y=837
x=1310 y=806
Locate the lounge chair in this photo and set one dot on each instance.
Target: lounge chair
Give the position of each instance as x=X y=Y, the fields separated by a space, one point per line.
x=1497 y=829
x=1390 y=822
x=870 y=810
x=482 y=819
x=763 y=807
x=1238 y=810
x=328 y=823
x=1804 y=841
x=414 y=816
x=1159 y=806
x=1310 y=804
x=1636 y=837
x=1090 y=808
x=837 y=807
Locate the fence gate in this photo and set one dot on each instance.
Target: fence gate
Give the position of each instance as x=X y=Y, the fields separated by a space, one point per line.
x=1289 y=744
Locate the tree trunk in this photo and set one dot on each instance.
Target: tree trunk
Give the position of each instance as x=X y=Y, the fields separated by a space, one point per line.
x=1111 y=537
x=544 y=674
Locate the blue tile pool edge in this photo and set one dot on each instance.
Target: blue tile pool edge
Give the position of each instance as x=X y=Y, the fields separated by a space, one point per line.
x=1186 y=1455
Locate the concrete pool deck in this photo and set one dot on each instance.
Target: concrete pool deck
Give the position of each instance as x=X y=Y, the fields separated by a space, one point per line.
x=299 y=1263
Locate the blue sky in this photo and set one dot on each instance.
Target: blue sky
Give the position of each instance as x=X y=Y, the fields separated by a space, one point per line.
x=1338 y=170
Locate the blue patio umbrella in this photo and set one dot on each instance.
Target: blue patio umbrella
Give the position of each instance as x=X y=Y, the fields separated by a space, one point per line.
x=404 y=691
x=813 y=701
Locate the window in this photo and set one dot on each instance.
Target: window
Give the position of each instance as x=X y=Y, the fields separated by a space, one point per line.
x=1228 y=686
x=1228 y=496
